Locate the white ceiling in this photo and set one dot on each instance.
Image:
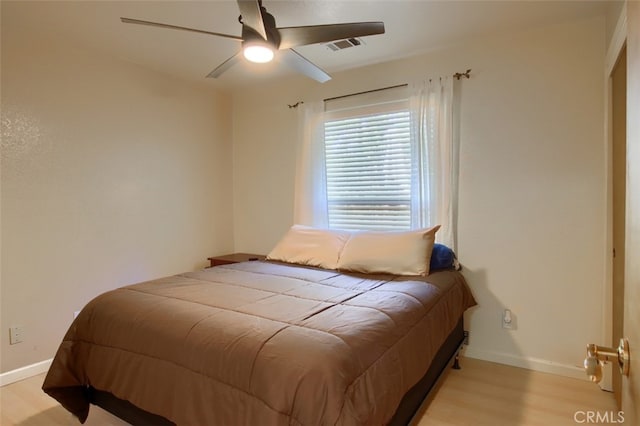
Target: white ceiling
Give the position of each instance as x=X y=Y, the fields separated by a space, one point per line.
x=412 y=27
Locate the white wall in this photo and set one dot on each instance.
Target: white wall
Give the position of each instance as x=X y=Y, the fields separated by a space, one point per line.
x=532 y=181
x=111 y=174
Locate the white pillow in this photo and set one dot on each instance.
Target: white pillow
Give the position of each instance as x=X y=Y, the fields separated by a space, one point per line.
x=398 y=253
x=305 y=245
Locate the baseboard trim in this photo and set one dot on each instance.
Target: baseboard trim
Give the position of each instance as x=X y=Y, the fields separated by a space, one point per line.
x=535 y=364
x=25 y=372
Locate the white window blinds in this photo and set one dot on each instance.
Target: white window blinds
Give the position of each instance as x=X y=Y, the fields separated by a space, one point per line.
x=369 y=166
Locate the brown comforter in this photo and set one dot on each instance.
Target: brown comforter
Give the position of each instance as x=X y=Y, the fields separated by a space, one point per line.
x=259 y=343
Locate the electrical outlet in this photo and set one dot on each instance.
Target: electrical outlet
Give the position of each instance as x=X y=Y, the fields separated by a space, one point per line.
x=508 y=320
x=16 y=335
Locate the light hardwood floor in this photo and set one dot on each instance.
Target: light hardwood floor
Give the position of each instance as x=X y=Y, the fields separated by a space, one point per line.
x=481 y=393
x=484 y=393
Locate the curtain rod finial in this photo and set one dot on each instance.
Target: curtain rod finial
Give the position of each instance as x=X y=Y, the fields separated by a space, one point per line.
x=466 y=74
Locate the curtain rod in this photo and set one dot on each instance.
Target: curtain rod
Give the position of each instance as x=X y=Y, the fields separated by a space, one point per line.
x=366 y=91
x=457 y=76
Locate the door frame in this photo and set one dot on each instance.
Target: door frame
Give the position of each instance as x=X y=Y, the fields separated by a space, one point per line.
x=614 y=49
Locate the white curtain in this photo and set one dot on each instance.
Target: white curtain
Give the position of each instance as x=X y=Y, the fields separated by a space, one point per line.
x=434 y=174
x=434 y=186
x=310 y=193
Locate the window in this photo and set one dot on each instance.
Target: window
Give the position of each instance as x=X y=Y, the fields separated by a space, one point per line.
x=380 y=161
x=368 y=170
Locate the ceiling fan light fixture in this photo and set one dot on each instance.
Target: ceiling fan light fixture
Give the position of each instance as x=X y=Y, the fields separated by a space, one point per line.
x=259 y=53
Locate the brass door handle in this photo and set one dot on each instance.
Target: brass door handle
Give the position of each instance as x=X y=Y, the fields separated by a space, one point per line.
x=597 y=354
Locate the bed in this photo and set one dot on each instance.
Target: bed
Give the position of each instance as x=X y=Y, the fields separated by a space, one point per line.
x=262 y=342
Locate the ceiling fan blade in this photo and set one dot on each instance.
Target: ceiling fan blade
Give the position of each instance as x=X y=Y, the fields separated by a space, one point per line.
x=304 y=66
x=225 y=66
x=175 y=27
x=312 y=34
x=252 y=16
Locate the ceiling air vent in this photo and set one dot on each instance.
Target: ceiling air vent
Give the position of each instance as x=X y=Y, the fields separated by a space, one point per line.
x=344 y=44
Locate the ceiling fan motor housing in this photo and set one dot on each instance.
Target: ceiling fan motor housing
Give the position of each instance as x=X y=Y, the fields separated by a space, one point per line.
x=273 y=36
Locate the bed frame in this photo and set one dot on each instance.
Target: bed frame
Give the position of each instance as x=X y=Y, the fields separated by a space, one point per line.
x=409 y=406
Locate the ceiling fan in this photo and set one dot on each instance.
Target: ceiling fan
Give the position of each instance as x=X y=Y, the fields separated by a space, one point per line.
x=261 y=38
